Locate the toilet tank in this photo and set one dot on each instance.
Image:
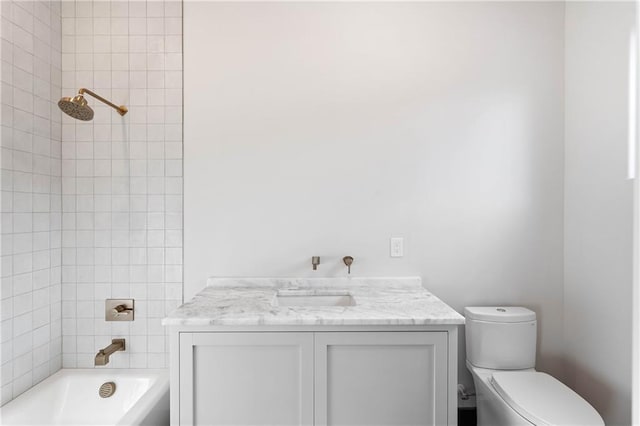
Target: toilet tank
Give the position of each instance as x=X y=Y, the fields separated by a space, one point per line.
x=501 y=337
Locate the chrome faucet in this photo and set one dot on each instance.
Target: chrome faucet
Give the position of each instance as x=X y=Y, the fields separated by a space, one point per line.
x=102 y=357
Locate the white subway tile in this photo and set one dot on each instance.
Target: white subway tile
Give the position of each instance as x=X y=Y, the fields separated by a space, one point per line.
x=155 y=79
x=173 y=25
x=101 y=44
x=155 y=44
x=155 y=9
x=119 y=44
x=101 y=8
x=84 y=9
x=138 y=44
x=23 y=39
x=138 y=8
x=83 y=26
x=173 y=256
x=173 y=8
x=122 y=185
x=119 y=26
x=155 y=26
x=119 y=8
x=68 y=9
x=102 y=26
x=137 y=26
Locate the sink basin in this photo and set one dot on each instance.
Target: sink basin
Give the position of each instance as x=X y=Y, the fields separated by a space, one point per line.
x=314 y=298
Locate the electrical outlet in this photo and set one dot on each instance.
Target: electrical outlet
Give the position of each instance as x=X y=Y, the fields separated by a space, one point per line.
x=396 y=247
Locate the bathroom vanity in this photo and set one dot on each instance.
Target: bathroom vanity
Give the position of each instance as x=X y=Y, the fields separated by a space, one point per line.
x=314 y=352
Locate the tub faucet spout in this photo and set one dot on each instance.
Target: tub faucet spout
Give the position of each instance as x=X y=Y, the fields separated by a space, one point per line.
x=102 y=357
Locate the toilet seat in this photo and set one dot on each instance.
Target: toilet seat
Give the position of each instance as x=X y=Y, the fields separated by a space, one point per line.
x=543 y=400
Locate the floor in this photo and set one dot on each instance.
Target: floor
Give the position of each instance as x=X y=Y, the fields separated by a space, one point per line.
x=466 y=417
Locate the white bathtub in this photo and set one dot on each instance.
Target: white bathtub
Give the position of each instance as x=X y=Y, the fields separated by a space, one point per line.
x=70 y=397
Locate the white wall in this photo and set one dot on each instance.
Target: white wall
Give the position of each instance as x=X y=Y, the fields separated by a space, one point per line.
x=30 y=310
x=599 y=207
x=326 y=128
x=122 y=178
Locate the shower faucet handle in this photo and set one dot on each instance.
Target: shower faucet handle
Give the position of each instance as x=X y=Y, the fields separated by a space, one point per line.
x=122 y=310
x=119 y=310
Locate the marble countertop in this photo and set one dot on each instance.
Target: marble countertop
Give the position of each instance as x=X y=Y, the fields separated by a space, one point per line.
x=252 y=301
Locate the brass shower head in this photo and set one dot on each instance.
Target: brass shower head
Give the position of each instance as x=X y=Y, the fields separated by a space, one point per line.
x=77 y=107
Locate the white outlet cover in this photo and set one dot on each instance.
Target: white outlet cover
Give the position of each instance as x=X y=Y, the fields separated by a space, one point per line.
x=396 y=247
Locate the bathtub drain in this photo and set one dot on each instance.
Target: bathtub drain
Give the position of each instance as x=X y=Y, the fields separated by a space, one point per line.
x=107 y=389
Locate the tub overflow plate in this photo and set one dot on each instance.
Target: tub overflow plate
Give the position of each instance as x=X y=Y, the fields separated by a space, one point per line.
x=107 y=389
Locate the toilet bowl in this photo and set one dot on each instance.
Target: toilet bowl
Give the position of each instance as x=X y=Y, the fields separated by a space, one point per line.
x=501 y=346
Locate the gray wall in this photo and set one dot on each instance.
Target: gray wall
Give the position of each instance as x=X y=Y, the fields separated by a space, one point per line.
x=598 y=207
x=327 y=128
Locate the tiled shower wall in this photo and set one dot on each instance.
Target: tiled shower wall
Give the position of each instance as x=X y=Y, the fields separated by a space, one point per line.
x=31 y=200
x=122 y=177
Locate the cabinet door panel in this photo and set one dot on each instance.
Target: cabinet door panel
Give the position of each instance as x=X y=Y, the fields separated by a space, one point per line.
x=380 y=378
x=247 y=379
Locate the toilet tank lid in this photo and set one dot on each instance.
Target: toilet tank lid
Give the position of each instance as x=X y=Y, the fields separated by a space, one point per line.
x=499 y=313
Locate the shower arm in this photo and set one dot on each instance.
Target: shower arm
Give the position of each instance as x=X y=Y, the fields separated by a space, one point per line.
x=122 y=110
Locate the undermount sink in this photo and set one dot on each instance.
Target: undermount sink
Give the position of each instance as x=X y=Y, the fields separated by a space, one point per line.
x=314 y=298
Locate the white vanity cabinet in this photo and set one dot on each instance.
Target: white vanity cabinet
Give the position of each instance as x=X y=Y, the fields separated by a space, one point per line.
x=314 y=377
x=287 y=351
x=246 y=379
x=381 y=378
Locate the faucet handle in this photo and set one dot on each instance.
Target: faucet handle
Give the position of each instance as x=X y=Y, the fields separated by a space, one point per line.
x=348 y=260
x=121 y=310
x=315 y=261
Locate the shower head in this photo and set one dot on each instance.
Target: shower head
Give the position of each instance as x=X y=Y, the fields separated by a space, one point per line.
x=77 y=107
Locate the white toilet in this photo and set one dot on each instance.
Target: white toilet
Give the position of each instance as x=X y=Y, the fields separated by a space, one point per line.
x=501 y=353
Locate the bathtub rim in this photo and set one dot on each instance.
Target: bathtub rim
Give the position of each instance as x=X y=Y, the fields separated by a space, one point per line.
x=147 y=402
x=140 y=410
